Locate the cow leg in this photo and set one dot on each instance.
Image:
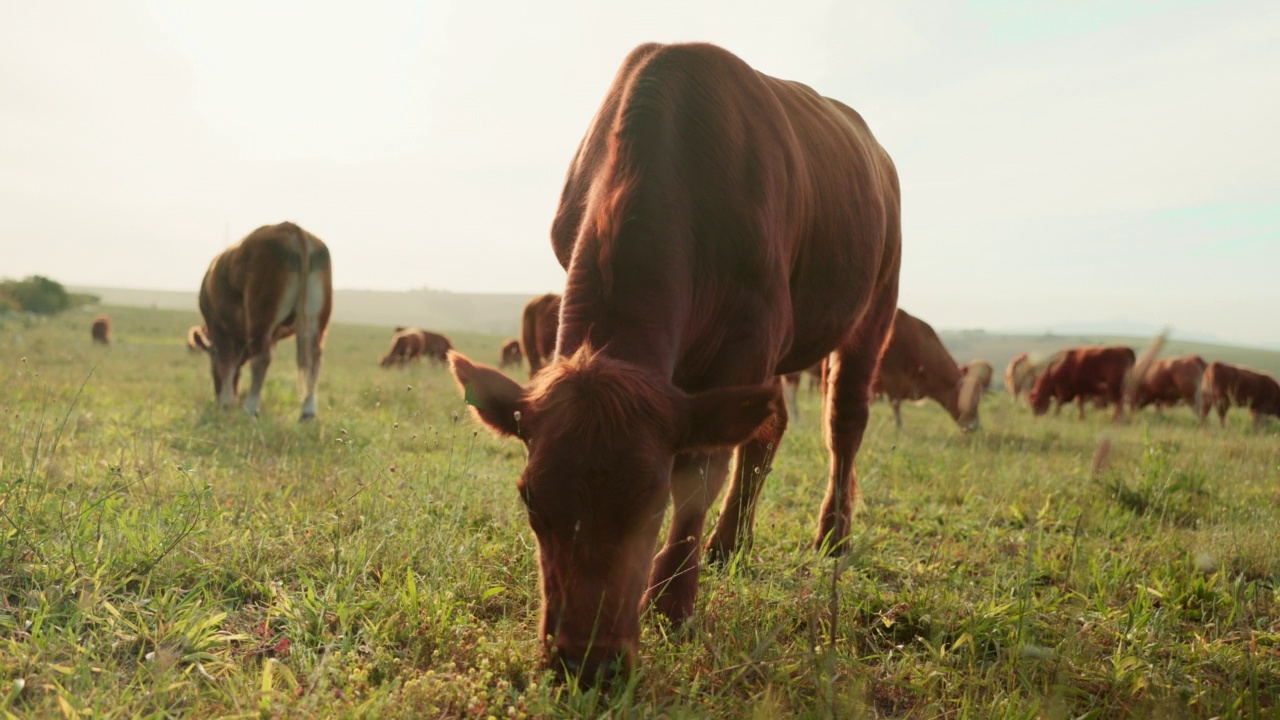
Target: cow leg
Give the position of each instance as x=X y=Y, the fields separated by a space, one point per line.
x=751 y=465
x=1080 y=406
x=1222 y=413
x=897 y=413
x=309 y=372
x=258 y=365
x=845 y=410
x=791 y=395
x=696 y=479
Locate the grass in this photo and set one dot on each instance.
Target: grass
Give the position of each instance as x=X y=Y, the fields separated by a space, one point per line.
x=159 y=557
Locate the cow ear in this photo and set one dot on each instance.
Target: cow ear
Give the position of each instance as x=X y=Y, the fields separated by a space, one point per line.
x=725 y=417
x=494 y=398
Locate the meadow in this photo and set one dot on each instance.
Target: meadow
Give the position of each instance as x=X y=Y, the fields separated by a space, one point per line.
x=161 y=557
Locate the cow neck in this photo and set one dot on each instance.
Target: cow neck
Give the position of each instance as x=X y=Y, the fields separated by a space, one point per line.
x=637 y=314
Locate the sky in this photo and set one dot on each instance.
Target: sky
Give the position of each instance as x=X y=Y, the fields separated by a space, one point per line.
x=1074 y=162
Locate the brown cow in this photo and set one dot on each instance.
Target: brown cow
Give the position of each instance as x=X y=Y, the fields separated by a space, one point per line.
x=916 y=365
x=1169 y=381
x=982 y=370
x=197 y=340
x=410 y=343
x=720 y=228
x=274 y=283
x=1225 y=385
x=406 y=344
x=101 y=330
x=538 y=328
x=1082 y=373
x=510 y=353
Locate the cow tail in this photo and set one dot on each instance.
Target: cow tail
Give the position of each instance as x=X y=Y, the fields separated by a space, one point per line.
x=305 y=322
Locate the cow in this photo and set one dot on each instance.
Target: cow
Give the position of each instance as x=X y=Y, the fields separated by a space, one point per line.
x=1082 y=373
x=410 y=343
x=197 y=340
x=538 y=326
x=1225 y=385
x=510 y=353
x=720 y=228
x=100 y=330
x=407 y=344
x=916 y=365
x=274 y=283
x=1020 y=375
x=1169 y=381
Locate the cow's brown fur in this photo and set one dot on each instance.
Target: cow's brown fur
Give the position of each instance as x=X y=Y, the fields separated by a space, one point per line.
x=510 y=353
x=100 y=330
x=1083 y=373
x=1225 y=385
x=1169 y=381
x=916 y=365
x=538 y=327
x=274 y=283
x=197 y=340
x=720 y=228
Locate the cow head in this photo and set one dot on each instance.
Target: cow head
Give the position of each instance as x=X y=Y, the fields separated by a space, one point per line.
x=601 y=435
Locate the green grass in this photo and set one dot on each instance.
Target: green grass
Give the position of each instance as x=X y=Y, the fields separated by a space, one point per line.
x=160 y=557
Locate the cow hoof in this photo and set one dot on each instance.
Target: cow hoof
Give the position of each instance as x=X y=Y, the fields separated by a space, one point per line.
x=306 y=417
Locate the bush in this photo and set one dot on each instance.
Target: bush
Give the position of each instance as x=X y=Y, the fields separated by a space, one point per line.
x=39 y=295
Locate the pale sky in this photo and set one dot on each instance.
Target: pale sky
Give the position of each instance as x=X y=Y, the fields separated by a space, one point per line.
x=1064 y=162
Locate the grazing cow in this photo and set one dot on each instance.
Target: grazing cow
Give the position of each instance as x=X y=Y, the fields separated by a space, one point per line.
x=274 y=283
x=1081 y=373
x=538 y=329
x=101 y=330
x=197 y=340
x=406 y=344
x=1020 y=375
x=981 y=370
x=1225 y=385
x=916 y=365
x=1169 y=381
x=511 y=354
x=720 y=228
x=411 y=343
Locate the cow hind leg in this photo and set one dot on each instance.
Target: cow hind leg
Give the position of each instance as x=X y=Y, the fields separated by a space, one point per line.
x=696 y=479
x=751 y=465
x=845 y=412
x=897 y=413
x=258 y=365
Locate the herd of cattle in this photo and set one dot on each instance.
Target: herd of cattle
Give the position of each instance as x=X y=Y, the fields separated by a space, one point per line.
x=722 y=232
x=914 y=365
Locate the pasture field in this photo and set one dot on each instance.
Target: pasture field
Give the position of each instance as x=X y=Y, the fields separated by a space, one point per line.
x=160 y=557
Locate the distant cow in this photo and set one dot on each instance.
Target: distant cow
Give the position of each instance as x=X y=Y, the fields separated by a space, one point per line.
x=915 y=365
x=274 y=283
x=511 y=354
x=981 y=369
x=791 y=387
x=197 y=341
x=406 y=344
x=538 y=330
x=1020 y=375
x=1169 y=381
x=1083 y=373
x=1225 y=385
x=101 y=330
x=410 y=343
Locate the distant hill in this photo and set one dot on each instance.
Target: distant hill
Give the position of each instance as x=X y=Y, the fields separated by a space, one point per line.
x=494 y=314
